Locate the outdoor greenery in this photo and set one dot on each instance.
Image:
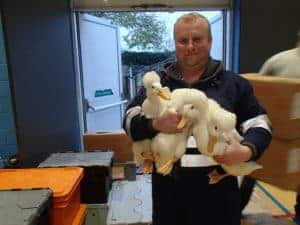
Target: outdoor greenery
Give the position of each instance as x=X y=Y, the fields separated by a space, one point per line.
x=145 y=58
x=145 y=30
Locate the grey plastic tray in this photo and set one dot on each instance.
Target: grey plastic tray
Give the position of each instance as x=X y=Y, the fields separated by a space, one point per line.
x=25 y=207
x=97 y=180
x=83 y=159
x=130 y=202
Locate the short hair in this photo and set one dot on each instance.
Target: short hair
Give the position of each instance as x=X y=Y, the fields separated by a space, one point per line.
x=193 y=17
x=298 y=35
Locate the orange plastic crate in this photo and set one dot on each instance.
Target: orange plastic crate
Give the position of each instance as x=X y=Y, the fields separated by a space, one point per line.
x=64 y=182
x=80 y=216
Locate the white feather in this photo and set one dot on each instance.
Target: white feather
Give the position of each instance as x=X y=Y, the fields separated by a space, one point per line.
x=242 y=169
x=221 y=124
x=171 y=147
x=152 y=107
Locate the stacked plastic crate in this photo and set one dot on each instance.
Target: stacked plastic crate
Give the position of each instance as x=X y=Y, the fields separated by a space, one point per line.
x=63 y=182
x=96 y=182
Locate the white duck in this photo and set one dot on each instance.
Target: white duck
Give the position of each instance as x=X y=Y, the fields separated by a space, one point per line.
x=153 y=105
x=221 y=128
x=168 y=148
x=220 y=124
x=157 y=96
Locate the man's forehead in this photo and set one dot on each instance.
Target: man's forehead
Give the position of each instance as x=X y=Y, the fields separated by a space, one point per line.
x=192 y=22
x=194 y=28
x=199 y=25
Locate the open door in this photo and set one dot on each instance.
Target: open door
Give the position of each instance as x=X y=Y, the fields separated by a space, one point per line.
x=101 y=73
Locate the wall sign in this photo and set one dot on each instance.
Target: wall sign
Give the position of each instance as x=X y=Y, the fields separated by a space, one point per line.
x=105 y=92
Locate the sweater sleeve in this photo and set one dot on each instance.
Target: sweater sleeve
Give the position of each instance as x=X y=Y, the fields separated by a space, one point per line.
x=136 y=125
x=252 y=120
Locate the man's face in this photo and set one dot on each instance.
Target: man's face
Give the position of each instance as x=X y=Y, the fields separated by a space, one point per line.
x=192 y=43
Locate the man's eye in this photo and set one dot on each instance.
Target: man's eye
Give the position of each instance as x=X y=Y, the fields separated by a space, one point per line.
x=192 y=107
x=216 y=127
x=183 y=41
x=197 y=39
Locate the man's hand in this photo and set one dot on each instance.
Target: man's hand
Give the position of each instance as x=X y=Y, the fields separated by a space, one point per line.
x=167 y=122
x=235 y=153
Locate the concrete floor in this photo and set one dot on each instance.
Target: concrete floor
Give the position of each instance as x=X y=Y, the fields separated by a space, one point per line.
x=267 y=202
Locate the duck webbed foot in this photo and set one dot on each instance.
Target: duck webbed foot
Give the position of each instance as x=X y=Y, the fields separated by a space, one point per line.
x=147 y=166
x=215 y=177
x=167 y=167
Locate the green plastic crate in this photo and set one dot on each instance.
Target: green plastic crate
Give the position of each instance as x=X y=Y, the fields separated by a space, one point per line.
x=25 y=207
x=96 y=214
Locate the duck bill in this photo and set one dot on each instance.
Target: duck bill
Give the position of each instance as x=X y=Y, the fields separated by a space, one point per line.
x=164 y=95
x=182 y=122
x=211 y=143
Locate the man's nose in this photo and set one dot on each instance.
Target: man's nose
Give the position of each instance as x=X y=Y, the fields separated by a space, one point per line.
x=191 y=44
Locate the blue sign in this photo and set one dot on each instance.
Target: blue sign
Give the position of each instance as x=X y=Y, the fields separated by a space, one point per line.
x=105 y=92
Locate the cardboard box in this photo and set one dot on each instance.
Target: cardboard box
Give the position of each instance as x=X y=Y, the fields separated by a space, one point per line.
x=281 y=164
x=116 y=141
x=281 y=98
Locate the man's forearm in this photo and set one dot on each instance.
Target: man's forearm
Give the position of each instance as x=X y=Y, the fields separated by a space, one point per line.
x=257 y=139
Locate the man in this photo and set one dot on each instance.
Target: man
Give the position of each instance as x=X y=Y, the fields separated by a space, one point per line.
x=285 y=64
x=185 y=197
